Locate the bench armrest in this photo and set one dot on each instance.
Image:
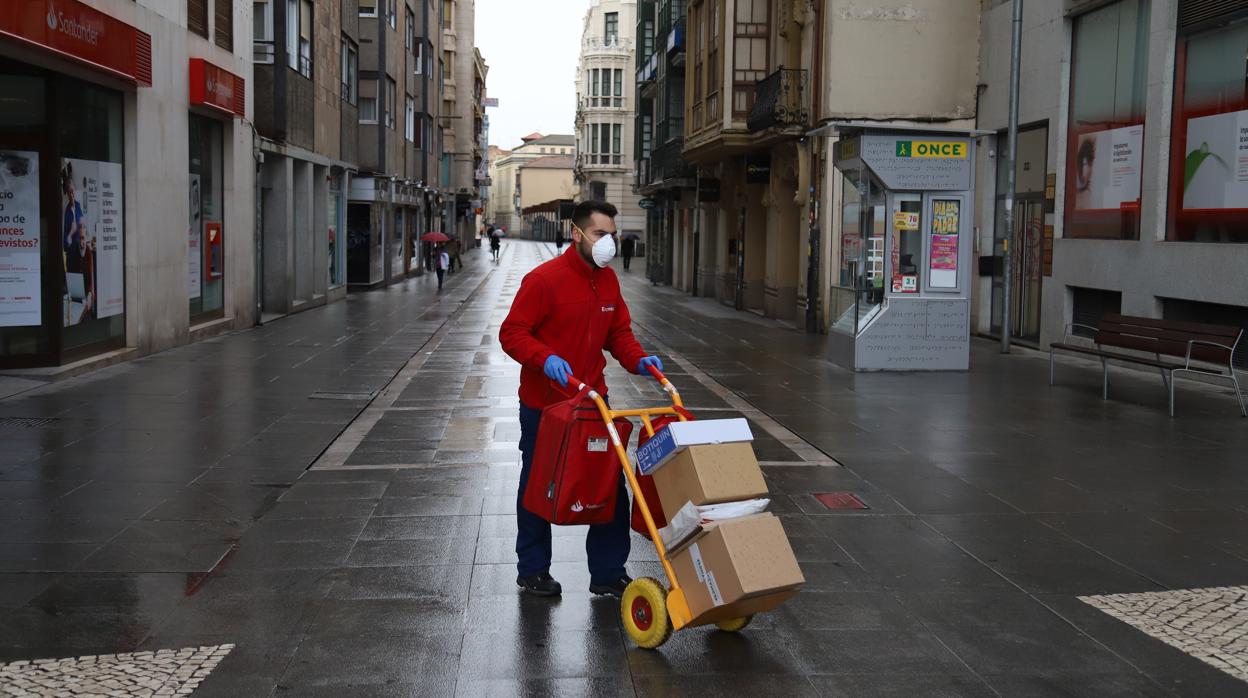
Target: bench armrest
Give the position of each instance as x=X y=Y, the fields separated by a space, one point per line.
x=1070 y=326
x=1230 y=356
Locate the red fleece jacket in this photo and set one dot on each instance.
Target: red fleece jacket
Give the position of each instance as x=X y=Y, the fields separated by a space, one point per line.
x=573 y=311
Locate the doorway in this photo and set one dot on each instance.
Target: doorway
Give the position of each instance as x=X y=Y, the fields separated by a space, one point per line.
x=1027 y=238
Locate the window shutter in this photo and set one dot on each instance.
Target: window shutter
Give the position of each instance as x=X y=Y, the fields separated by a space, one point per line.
x=197 y=16
x=1193 y=12
x=224 y=17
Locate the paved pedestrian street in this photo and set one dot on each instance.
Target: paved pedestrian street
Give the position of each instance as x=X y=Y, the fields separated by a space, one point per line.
x=325 y=505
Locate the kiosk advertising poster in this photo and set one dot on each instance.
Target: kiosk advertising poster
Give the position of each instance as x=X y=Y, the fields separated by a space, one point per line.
x=1215 y=168
x=1107 y=168
x=20 y=297
x=91 y=233
x=942 y=258
x=194 y=256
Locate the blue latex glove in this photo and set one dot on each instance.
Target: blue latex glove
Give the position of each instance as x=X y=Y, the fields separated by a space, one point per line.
x=649 y=361
x=557 y=370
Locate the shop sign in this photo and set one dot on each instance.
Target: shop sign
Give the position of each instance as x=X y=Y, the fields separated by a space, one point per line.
x=647 y=202
x=20 y=296
x=758 y=169
x=92 y=238
x=217 y=88
x=79 y=32
x=951 y=150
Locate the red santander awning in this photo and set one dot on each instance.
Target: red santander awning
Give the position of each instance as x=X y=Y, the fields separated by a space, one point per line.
x=217 y=88
x=82 y=34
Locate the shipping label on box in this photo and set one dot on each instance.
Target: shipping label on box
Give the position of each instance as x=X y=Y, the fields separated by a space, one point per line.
x=670 y=440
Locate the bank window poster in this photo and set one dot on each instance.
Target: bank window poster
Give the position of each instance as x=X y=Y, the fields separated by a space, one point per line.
x=1107 y=168
x=1215 y=168
x=91 y=238
x=942 y=268
x=20 y=295
x=194 y=238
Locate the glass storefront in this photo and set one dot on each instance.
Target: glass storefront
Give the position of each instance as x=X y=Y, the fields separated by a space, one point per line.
x=337 y=224
x=398 y=261
x=1209 y=145
x=205 y=272
x=62 y=231
x=1109 y=71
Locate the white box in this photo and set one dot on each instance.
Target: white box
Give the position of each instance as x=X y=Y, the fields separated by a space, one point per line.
x=677 y=436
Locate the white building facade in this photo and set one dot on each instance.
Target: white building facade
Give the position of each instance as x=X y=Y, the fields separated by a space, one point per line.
x=606 y=110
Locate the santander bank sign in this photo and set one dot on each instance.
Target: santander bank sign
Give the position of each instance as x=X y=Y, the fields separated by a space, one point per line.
x=80 y=33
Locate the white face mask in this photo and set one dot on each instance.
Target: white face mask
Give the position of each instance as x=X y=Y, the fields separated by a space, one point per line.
x=604 y=250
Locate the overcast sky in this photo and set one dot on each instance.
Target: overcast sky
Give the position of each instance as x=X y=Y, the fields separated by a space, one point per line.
x=531 y=48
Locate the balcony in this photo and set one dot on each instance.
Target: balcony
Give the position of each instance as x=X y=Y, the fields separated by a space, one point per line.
x=780 y=100
x=600 y=46
x=676 y=43
x=667 y=163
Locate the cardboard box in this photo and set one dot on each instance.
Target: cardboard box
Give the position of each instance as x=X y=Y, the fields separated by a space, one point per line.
x=737 y=568
x=709 y=475
x=669 y=441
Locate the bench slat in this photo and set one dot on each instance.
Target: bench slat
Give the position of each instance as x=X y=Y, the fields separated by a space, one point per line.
x=1225 y=331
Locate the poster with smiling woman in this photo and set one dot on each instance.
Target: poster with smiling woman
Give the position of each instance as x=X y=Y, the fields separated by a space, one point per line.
x=91 y=239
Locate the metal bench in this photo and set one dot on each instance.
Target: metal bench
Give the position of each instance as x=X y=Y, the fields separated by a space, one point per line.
x=1212 y=346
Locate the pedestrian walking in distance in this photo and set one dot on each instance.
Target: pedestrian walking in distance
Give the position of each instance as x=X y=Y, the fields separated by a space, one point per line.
x=567 y=312
x=627 y=249
x=444 y=262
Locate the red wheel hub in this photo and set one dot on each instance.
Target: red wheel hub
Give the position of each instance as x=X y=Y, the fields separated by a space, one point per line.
x=642 y=614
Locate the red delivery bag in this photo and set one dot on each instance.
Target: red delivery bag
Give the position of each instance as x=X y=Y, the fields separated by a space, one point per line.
x=575 y=474
x=646 y=482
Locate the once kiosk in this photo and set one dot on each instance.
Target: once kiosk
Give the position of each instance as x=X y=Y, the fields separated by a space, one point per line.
x=901 y=296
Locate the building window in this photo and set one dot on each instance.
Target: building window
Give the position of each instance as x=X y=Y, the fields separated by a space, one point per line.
x=224 y=20
x=647 y=135
x=409 y=123
x=1209 y=150
x=420 y=58
x=750 y=52
x=392 y=13
x=350 y=70
x=1109 y=68
x=611 y=31
x=410 y=40
x=262 y=30
x=368 y=101
x=306 y=18
x=391 y=102
x=647 y=38
x=197 y=17
x=368 y=8
x=448 y=12
x=618 y=99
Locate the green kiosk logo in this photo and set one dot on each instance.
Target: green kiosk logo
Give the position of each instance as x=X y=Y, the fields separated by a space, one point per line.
x=955 y=150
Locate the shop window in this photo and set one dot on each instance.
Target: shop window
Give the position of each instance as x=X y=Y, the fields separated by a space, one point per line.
x=205 y=272
x=90 y=218
x=224 y=21
x=337 y=224
x=1213 y=314
x=197 y=17
x=1109 y=69
x=1089 y=305
x=1208 y=185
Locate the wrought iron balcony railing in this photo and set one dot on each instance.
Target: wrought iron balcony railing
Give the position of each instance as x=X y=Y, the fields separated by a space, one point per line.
x=780 y=99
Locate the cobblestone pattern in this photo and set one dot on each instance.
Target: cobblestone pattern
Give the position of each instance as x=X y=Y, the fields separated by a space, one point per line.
x=149 y=674
x=1209 y=624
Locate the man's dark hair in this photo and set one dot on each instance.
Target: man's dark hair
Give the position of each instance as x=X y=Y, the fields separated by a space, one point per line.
x=586 y=209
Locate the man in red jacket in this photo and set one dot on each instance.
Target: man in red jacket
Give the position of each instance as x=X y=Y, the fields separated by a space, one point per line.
x=566 y=313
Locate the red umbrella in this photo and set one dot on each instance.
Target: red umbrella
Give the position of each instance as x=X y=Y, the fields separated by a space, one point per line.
x=434 y=236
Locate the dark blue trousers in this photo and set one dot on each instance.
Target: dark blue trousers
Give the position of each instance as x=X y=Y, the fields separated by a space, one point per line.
x=607 y=544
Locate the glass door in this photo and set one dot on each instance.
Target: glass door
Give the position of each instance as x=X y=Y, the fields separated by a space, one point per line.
x=1027 y=271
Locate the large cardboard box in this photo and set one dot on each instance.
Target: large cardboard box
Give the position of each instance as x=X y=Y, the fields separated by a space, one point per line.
x=709 y=475
x=737 y=568
x=669 y=441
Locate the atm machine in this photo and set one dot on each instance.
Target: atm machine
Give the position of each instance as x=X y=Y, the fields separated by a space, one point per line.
x=901 y=294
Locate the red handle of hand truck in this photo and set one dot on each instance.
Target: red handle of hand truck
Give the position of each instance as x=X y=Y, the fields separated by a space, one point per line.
x=654 y=371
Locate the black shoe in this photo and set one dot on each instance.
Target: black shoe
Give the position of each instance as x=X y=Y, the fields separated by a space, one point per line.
x=539 y=585
x=615 y=588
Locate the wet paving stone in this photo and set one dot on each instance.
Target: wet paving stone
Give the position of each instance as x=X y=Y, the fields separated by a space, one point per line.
x=218 y=517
